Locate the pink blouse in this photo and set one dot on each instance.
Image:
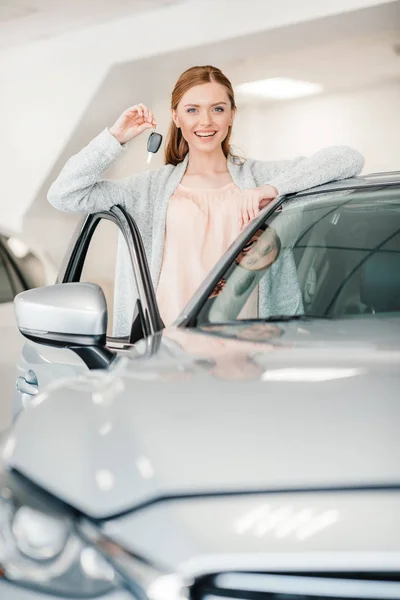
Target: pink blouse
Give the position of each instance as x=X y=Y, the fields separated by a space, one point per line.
x=201 y=224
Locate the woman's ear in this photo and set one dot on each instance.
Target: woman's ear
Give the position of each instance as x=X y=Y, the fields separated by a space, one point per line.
x=175 y=118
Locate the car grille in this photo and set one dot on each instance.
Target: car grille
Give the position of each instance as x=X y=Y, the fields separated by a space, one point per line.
x=298 y=586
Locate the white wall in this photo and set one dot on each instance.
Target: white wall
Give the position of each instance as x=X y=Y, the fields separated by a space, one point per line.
x=368 y=119
x=46 y=87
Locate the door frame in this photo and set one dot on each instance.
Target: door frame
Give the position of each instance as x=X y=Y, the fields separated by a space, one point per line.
x=73 y=264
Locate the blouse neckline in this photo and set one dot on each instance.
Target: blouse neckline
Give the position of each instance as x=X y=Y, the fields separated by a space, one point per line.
x=196 y=189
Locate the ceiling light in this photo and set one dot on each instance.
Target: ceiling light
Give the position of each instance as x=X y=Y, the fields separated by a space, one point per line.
x=278 y=88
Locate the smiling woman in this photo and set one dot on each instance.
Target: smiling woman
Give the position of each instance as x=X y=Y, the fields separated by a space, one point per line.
x=191 y=210
x=203 y=110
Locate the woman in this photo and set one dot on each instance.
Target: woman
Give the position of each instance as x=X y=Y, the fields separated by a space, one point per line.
x=191 y=210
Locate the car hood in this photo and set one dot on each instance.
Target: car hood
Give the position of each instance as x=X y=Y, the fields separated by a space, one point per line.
x=264 y=532
x=312 y=406
x=251 y=351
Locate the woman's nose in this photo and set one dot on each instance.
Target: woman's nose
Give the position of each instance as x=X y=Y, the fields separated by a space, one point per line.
x=205 y=118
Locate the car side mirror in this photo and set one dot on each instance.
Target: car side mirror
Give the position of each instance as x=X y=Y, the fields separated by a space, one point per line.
x=66 y=314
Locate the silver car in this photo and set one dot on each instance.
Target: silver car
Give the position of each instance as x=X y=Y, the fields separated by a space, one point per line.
x=229 y=456
x=22 y=267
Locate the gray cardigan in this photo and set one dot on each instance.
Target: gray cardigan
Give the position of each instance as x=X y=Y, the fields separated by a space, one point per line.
x=80 y=188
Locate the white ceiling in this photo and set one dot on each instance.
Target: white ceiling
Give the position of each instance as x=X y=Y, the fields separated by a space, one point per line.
x=342 y=52
x=345 y=51
x=25 y=21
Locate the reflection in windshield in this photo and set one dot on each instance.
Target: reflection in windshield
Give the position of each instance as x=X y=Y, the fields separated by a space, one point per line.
x=257 y=255
x=261 y=250
x=237 y=293
x=330 y=255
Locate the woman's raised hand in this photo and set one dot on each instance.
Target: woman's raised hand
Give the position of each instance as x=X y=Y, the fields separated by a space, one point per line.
x=132 y=123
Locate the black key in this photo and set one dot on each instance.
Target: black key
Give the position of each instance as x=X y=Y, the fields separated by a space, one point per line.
x=153 y=144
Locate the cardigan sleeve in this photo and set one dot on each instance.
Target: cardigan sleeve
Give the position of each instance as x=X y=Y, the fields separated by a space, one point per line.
x=80 y=187
x=329 y=164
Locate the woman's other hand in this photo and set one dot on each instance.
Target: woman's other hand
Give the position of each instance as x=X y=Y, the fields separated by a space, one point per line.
x=132 y=123
x=256 y=199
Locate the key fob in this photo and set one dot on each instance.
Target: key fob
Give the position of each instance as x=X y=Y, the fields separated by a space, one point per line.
x=154 y=142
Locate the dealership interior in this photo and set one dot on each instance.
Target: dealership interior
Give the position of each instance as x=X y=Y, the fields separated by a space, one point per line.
x=249 y=449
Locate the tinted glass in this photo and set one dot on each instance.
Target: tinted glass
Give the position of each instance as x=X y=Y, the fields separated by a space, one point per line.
x=27 y=269
x=327 y=255
x=30 y=267
x=7 y=291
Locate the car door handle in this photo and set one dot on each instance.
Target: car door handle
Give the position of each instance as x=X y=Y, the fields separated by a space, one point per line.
x=26 y=387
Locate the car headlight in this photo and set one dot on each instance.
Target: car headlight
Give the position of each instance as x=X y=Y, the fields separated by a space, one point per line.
x=145 y=580
x=40 y=547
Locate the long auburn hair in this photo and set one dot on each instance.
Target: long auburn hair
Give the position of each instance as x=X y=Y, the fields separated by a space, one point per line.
x=177 y=147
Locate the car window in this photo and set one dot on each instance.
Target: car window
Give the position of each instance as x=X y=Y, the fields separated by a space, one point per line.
x=6 y=291
x=106 y=260
x=326 y=255
x=28 y=264
x=10 y=281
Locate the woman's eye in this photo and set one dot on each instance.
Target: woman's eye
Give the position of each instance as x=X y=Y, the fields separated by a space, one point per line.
x=267 y=249
x=191 y=110
x=248 y=246
x=219 y=109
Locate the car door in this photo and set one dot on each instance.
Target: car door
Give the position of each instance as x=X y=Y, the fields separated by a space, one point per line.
x=11 y=283
x=93 y=256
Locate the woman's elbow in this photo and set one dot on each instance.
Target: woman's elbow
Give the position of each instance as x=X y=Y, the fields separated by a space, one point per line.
x=65 y=200
x=55 y=198
x=352 y=161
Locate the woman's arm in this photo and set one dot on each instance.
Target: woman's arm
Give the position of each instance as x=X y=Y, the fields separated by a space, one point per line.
x=329 y=164
x=80 y=187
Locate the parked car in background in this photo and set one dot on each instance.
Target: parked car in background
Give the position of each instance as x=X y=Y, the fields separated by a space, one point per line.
x=22 y=267
x=229 y=456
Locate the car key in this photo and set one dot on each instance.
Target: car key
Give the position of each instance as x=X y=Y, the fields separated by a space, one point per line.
x=153 y=144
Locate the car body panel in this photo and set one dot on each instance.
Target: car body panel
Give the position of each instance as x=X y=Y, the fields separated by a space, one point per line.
x=12 y=342
x=10 y=591
x=315 y=409
x=250 y=531
x=266 y=447
x=65 y=364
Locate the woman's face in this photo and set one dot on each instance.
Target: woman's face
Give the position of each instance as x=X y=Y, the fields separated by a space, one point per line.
x=204 y=115
x=260 y=252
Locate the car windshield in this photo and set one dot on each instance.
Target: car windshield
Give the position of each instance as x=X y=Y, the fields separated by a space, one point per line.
x=325 y=255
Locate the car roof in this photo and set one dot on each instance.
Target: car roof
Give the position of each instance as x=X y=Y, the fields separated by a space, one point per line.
x=371 y=180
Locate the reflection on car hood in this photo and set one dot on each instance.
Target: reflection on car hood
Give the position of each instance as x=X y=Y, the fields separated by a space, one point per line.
x=251 y=350
x=315 y=404
x=264 y=532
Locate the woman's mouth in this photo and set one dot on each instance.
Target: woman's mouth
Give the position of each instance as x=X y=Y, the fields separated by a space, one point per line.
x=205 y=134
